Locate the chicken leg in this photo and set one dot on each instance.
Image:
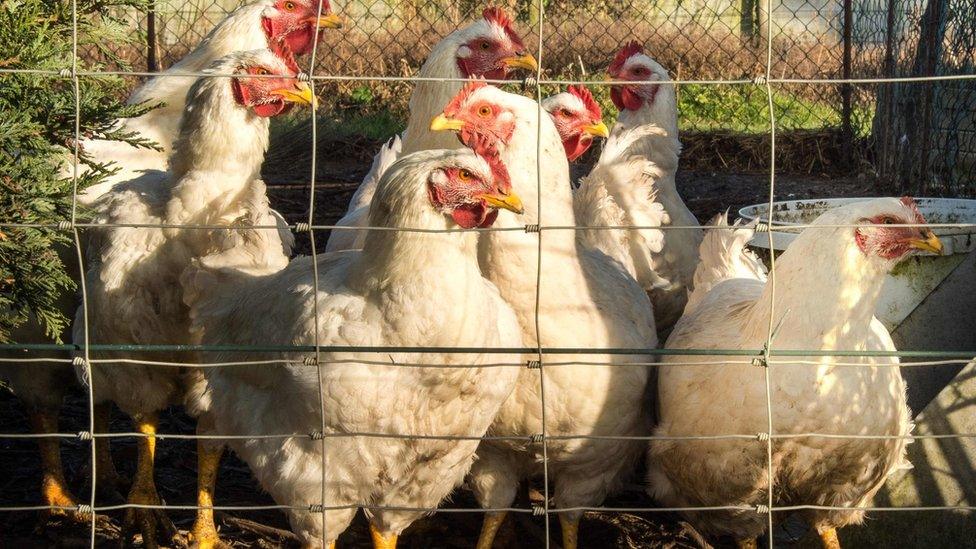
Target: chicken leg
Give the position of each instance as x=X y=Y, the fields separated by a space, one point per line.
x=828 y=537
x=54 y=489
x=107 y=477
x=380 y=541
x=208 y=462
x=489 y=527
x=143 y=490
x=570 y=527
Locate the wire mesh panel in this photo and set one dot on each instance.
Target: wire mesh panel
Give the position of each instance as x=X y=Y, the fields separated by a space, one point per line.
x=778 y=74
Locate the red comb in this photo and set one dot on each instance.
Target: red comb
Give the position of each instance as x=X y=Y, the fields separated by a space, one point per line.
x=584 y=95
x=910 y=202
x=455 y=105
x=625 y=53
x=498 y=16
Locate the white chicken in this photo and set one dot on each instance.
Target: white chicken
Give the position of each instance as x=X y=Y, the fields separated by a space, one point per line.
x=633 y=184
x=575 y=113
x=488 y=48
x=585 y=300
x=822 y=305
x=287 y=27
x=404 y=289
x=133 y=272
x=265 y=23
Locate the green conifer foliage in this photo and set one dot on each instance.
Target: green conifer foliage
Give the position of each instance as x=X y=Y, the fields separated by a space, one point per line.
x=37 y=137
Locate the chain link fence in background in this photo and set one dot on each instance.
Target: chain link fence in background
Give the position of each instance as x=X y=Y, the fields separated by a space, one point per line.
x=826 y=129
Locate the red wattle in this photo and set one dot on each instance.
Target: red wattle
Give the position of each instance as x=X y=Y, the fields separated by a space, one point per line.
x=489 y=219
x=469 y=216
x=300 y=41
x=576 y=146
x=267 y=110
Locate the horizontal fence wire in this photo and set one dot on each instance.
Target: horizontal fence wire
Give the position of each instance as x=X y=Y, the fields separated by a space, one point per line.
x=767 y=356
x=489 y=350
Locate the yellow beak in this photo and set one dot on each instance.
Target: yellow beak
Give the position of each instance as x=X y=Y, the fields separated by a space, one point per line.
x=597 y=130
x=330 y=21
x=301 y=94
x=510 y=201
x=525 y=61
x=930 y=243
x=441 y=123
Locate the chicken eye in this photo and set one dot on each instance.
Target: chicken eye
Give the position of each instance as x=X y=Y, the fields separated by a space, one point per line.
x=262 y=71
x=289 y=6
x=464 y=175
x=485 y=45
x=484 y=110
x=888 y=221
x=566 y=113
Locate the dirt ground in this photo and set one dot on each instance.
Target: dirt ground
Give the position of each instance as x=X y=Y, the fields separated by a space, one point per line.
x=705 y=193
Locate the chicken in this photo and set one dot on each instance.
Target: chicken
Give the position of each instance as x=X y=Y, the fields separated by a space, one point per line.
x=578 y=119
x=132 y=272
x=264 y=23
x=488 y=48
x=822 y=305
x=633 y=184
x=585 y=300
x=403 y=289
x=285 y=26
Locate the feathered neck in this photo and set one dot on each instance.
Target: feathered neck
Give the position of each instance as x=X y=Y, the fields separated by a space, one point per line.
x=239 y=31
x=650 y=132
x=390 y=257
x=519 y=155
x=219 y=150
x=429 y=98
x=826 y=291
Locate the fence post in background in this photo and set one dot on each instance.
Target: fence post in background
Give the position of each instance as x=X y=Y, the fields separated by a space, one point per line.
x=926 y=62
x=745 y=20
x=750 y=21
x=884 y=125
x=846 y=89
x=152 y=46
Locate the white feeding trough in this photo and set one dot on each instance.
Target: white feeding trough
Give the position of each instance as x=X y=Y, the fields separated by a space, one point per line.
x=912 y=280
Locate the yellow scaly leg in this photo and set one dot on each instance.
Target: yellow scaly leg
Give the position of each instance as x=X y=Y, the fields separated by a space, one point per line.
x=489 y=527
x=208 y=462
x=570 y=528
x=54 y=489
x=380 y=541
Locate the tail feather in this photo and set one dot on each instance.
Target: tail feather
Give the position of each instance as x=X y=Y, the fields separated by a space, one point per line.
x=384 y=159
x=723 y=255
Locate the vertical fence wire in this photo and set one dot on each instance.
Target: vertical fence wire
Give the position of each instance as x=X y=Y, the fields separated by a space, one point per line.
x=540 y=7
x=76 y=241
x=766 y=363
x=315 y=274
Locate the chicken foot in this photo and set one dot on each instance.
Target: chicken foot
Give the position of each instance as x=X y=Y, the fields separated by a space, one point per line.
x=143 y=492
x=204 y=533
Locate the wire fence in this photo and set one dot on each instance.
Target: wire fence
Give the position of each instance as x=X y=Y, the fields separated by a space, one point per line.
x=804 y=69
